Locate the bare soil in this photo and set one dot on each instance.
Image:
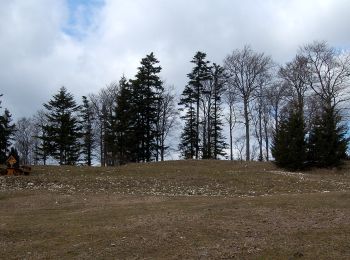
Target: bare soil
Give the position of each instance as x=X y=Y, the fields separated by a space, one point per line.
x=175 y=210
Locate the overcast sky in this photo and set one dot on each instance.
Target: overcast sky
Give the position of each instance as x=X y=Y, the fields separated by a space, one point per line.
x=86 y=44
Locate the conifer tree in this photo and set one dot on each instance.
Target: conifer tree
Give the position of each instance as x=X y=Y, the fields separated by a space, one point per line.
x=192 y=95
x=125 y=118
x=327 y=143
x=288 y=145
x=63 y=129
x=197 y=78
x=146 y=87
x=188 y=141
x=6 y=132
x=218 y=142
x=88 y=141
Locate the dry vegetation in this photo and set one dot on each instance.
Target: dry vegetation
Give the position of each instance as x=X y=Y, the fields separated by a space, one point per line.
x=176 y=210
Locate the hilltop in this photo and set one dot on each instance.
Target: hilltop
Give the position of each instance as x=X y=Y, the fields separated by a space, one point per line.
x=175 y=209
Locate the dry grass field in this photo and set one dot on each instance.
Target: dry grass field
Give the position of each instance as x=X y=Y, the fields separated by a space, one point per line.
x=175 y=210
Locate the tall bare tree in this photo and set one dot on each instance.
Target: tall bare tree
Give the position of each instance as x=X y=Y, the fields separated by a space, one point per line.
x=330 y=72
x=103 y=104
x=41 y=145
x=330 y=81
x=260 y=114
x=296 y=75
x=231 y=118
x=167 y=116
x=25 y=140
x=277 y=94
x=245 y=69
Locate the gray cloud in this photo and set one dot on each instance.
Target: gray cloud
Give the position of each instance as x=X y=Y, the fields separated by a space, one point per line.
x=37 y=55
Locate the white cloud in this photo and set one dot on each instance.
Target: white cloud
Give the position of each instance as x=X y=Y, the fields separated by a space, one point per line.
x=37 y=55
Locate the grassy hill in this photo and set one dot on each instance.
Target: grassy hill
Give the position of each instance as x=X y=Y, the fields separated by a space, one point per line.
x=176 y=210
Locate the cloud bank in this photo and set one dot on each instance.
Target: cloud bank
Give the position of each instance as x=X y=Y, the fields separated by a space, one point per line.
x=85 y=45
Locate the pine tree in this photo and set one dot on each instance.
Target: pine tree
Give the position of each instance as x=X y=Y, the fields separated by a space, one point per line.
x=192 y=95
x=88 y=142
x=327 y=141
x=188 y=140
x=199 y=75
x=125 y=118
x=217 y=138
x=288 y=145
x=146 y=86
x=63 y=129
x=6 y=132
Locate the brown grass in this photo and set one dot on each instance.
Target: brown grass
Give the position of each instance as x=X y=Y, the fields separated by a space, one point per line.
x=175 y=210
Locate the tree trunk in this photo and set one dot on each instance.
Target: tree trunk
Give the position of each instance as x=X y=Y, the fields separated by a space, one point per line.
x=102 y=158
x=231 y=143
x=267 y=144
x=197 y=124
x=162 y=148
x=260 y=136
x=231 y=132
x=247 y=136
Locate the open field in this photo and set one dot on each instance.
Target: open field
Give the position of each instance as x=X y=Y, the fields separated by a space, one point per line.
x=176 y=210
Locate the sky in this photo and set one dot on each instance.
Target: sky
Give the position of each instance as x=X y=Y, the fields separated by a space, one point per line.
x=85 y=45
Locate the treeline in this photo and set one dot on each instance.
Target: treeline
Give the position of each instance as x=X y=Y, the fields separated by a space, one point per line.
x=247 y=108
x=128 y=121
x=312 y=130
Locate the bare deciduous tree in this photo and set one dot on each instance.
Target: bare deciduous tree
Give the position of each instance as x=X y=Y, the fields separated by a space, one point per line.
x=102 y=104
x=167 y=116
x=260 y=113
x=231 y=118
x=277 y=95
x=24 y=140
x=245 y=69
x=239 y=146
x=296 y=75
x=330 y=72
x=41 y=146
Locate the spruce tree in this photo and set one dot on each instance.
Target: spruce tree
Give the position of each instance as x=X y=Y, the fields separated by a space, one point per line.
x=63 y=129
x=6 y=132
x=199 y=75
x=88 y=141
x=327 y=143
x=188 y=140
x=192 y=95
x=146 y=85
x=125 y=119
x=288 y=145
x=217 y=138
